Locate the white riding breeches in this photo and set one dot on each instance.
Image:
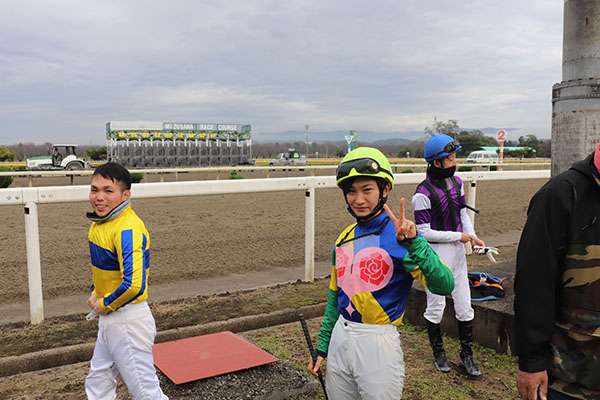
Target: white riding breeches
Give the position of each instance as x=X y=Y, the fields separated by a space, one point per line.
x=453 y=255
x=124 y=347
x=364 y=361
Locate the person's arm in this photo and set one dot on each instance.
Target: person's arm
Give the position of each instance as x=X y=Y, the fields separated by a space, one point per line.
x=329 y=320
x=540 y=253
x=130 y=245
x=421 y=261
x=423 y=213
x=426 y=267
x=331 y=316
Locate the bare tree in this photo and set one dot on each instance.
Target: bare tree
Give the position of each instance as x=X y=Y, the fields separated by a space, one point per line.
x=449 y=128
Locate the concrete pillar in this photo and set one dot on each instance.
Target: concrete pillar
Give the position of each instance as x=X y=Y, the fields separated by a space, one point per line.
x=576 y=100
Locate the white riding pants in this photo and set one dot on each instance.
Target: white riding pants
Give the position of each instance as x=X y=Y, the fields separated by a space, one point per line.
x=453 y=255
x=364 y=361
x=124 y=347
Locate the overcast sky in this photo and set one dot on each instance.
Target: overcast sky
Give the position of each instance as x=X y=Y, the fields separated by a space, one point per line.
x=68 y=67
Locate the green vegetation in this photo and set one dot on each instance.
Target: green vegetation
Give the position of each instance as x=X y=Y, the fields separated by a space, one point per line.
x=287 y=342
x=97 y=153
x=276 y=345
x=5 y=181
x=235 y=175
x=137 y=177
x=473 y=140
x=5 y=154
x=423 y=381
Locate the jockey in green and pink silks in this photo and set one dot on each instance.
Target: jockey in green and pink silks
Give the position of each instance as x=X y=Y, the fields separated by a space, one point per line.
x=375 y=262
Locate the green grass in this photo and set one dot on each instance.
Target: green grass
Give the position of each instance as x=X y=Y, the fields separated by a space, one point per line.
x=275 y=345
x=423 y=381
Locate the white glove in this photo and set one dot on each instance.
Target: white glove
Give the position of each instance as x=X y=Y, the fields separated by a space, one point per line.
x=487 y=250
x=91 y=315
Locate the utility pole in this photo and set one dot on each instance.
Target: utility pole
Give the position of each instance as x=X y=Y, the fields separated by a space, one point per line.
x=576 y=100
x=306 y=140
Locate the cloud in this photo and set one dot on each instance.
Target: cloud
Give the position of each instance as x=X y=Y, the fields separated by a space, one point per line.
x=382 y=65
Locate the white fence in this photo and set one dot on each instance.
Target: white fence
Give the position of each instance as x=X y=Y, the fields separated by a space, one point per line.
x=419 y=166
x=30 y=197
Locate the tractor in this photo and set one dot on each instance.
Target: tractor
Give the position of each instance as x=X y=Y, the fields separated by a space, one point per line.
x=63 y=157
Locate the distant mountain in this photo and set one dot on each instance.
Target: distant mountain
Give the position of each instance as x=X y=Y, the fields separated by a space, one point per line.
x=372 y=137
x=390 y=142
x=367 y=137
x=491 y=131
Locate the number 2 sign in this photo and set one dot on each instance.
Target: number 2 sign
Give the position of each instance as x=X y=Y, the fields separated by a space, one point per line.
x=501 y=136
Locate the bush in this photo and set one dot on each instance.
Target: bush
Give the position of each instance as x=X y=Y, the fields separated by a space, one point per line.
x=5 y=154
x=5 y=181
x=137 y=177
x=493 y=168
x=97 y=154
x=464 y=168
x=235 y=175
x=407 y=171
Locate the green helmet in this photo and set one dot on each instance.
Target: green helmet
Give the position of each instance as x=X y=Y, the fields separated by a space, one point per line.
x=365 y=161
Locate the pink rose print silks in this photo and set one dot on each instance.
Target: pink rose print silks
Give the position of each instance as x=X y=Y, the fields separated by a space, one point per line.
x=366 y=271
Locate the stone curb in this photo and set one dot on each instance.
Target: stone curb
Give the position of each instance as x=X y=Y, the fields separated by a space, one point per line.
x=52 y=358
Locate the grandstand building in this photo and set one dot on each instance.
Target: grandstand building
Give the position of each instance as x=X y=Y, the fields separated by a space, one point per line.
x=148 y=144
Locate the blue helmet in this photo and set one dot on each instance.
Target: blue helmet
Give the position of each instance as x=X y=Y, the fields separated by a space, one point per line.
x=440 y=146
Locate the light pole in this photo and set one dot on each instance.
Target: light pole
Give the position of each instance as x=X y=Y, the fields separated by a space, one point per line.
x=306 y=127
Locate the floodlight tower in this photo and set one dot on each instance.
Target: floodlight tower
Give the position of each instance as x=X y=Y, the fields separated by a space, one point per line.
x=306 y=139
x=576 y=100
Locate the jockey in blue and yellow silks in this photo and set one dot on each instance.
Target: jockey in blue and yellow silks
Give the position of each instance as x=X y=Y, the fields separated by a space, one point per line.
x=120 y=255
x=375 y=262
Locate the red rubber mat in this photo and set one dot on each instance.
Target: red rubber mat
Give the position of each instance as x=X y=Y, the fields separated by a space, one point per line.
x=200 y=357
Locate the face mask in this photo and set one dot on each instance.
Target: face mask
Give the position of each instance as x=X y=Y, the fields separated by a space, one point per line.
x=440 y=173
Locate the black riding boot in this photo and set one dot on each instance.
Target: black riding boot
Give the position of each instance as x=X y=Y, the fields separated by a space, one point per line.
x=465 y=332
x=437 y=344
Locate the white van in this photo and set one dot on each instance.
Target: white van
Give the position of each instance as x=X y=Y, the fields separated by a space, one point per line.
x=483 y=157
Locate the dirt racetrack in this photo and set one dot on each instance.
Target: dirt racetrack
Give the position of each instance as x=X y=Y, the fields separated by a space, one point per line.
x=205 y=236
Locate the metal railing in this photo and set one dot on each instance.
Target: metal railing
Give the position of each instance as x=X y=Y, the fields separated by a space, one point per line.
x=31 y=197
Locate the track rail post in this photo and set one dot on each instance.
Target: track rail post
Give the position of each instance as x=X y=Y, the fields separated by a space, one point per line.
x=34 y=268
x=309 y=235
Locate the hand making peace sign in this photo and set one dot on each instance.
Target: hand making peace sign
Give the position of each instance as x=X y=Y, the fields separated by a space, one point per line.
x=405 y=228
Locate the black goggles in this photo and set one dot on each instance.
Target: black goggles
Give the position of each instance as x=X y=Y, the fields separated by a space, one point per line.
x=361 y=165
x=449 y=148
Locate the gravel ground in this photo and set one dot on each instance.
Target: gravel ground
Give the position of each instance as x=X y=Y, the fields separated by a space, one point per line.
x=273 y=381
